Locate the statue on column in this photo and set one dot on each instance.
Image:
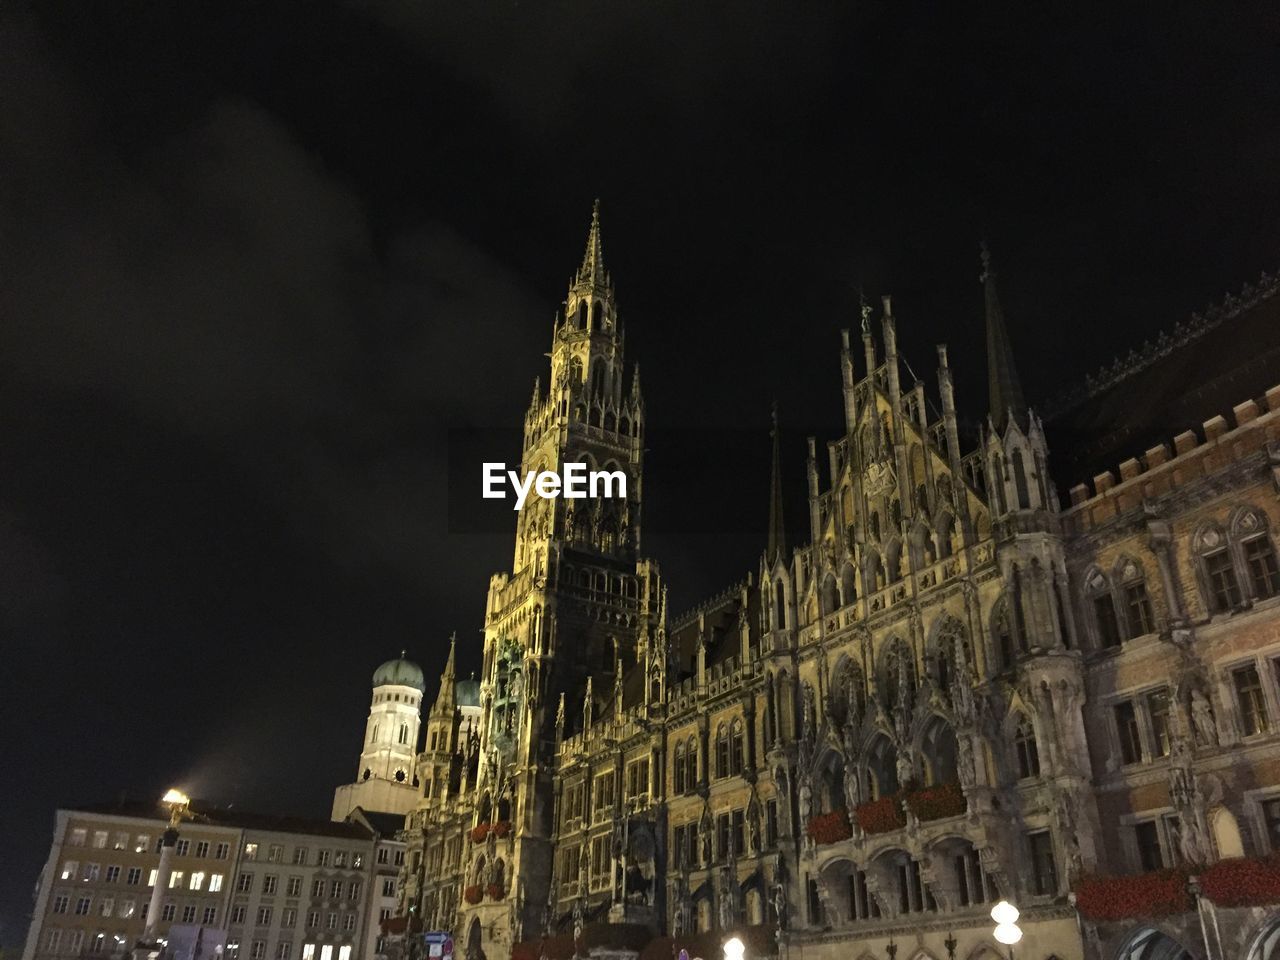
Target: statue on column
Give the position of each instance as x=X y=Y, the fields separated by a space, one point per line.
x=1202 y=719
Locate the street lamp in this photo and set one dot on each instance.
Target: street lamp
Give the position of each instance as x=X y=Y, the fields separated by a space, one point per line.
x=177 y=802
x=1007 y=931
x=734 y=949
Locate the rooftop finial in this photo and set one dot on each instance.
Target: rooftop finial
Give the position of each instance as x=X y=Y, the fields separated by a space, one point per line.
x=864 y=309
x=592 y=270
x=1003 y=387
x=777 y=528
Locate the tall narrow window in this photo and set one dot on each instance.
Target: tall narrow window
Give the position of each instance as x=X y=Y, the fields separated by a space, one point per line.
x=1044 y=870
x=1024 y=741
x=780 y=606
x=1127 y=732
x=1147 y=837
x=404 y=733
x=1224 y=588
x=1261 y=560
x=1138 y=608
x=722 y=751
x=1104 y=614
x=679 y=769
x=1020 y=481
x=1253 y=711
x=1158 y=714
x=735 y=748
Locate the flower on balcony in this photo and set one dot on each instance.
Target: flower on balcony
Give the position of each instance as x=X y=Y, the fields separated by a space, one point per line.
x=1242 y=882
x=480 y=832
x=829 y=827
x=881 y=816
x=473 y=894
x=501 y=829
x=937 y=802
x=1155 y=894
x=493 y=891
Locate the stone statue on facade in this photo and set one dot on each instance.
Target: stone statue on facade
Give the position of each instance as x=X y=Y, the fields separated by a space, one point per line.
x=966 y=766
x=728 y=910
x=1206 y=729
x=579 y=919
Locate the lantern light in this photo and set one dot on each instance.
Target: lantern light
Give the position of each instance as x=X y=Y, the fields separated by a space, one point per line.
x=1005 y=913
x=734 y=949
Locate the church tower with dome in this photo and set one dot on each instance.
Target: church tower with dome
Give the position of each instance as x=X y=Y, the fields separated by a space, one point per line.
x=386 y=781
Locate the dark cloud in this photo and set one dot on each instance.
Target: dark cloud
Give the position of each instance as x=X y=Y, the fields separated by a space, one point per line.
x=256 y=260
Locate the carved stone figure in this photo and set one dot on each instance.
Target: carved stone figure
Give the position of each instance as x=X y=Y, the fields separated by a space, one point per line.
x=966 y=767
x=780 y=904
x=728 y=918
x=579 y=920
x=806 y=799
x=1202 y=719
x=852 y=789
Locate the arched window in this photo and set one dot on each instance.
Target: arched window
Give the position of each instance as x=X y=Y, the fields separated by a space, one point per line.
x=828 y=599
x=691 y=764
x=780 y=605
x=893 y=560
x=1258 y=553
x=1024 y=745
x=404 y=733
x=374 y=736
x=722 y=751
x=848 y=584
x=1137 y=604
x=736 y=745
x=681 y=785
x=997 y=474
x=1102 y=607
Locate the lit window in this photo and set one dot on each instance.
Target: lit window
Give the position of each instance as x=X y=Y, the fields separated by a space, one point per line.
x=215 y=882
x=77 y=837
x=344 y=952
x=251 y=851
x=197 y=880
x=326 y=952
x=106 y=907
x=121 y=842
x=100 y=839
x=141 y=844
x=175 y=879
x=151 y=878
x=70 y=869
x=127 y=909
x=308 y=951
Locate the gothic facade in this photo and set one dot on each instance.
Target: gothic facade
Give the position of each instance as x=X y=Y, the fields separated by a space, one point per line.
x=961 y=687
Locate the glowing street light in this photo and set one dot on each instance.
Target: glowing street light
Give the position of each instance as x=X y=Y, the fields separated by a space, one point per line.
x=1007 y=931
x=734 y=949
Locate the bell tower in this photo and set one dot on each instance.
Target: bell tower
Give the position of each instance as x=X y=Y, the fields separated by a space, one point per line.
x=571 y=614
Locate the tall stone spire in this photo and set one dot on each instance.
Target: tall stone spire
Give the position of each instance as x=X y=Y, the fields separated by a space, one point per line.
x=1004 y=388
x=777 y=528
x=592 y=269
x=446 y=699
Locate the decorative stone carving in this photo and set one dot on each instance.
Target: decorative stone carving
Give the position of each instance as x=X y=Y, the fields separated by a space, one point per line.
x=1206 y=729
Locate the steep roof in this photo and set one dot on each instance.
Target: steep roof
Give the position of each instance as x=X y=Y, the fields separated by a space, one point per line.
x=1199 y=369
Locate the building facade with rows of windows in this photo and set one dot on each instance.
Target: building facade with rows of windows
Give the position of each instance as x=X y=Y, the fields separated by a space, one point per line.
x=960 y=687
x=270 y=888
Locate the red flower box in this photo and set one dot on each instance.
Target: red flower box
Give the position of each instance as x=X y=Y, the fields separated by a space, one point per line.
x=480 y=832
x=501 y=829
x=473 y=894
x=493 y=891
x=829 y=827
x=1243 y=882
x=1156 y=894
x=937 y=802
x=881 y=816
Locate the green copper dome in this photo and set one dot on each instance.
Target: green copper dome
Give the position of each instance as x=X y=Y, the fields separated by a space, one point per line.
x=402 y=672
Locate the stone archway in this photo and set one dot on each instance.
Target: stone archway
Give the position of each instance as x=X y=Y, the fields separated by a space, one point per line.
x=1151 y=944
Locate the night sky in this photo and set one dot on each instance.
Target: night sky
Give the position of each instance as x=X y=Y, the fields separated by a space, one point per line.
x=257 y=260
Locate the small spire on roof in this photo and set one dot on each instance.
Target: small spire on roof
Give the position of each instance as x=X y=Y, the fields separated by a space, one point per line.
x=1003 y=387
x=777 y=544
